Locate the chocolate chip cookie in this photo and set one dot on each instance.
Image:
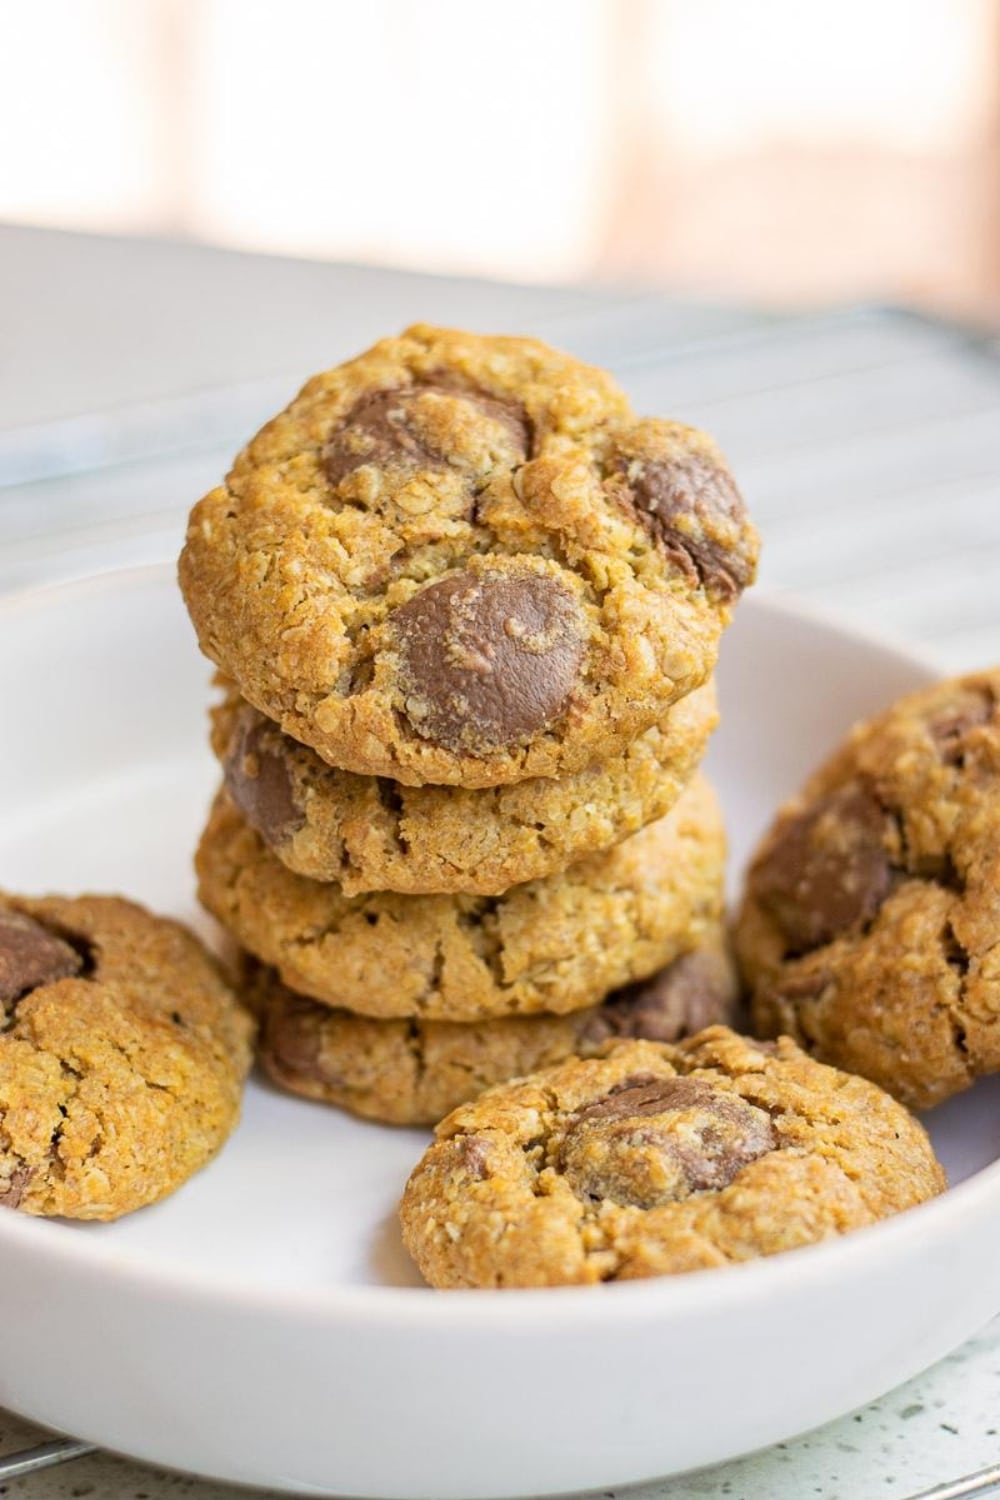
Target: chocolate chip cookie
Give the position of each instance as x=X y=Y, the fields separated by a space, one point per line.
x=370 y=834
x=463 y=560
x=558 y=944
x=655 y=1159
x=122 y=1056
x=413 y=1072
x=870 y=930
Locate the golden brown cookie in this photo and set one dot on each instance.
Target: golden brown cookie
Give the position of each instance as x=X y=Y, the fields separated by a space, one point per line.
x=122 y=1056
x=654 y=1159
x=870 y=930
x=412 y=1072
x=369 y=834
x=558 y=944
x=463 y=560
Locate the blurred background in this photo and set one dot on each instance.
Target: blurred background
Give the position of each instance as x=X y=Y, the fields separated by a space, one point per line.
x=776 y=151
x=774 y=219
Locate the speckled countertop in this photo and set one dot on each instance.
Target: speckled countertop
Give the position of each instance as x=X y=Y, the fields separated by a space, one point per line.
x=841 y=427
x=944 y=1423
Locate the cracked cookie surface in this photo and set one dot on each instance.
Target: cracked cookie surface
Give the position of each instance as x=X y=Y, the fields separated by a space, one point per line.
x=412 y=1072
x=870 y=928
x=463 y=560
x=369 y=834
x=558 y=944
x=655 y=1159
x=123 y=1055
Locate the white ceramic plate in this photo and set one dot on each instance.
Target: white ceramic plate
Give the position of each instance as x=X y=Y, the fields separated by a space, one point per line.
x=264 y=1325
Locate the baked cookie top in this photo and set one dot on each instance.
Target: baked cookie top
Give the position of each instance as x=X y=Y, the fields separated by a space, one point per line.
x=122 y=1056
x=558 y=944
x=413 y=1072
x=370 y=834
x=870 y=929
x=654 y=1159
x=462 y=560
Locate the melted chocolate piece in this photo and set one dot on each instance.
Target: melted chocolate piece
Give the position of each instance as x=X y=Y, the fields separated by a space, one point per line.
x=683 y=504
x=292 y=1038
x=259 y=778
x=379 y=429
x=950 y=727
x=31 y=956
x=475 y=1156
x=488 y=658
x=14 y=1187
x=685 y=997
x=657 y=1140
x=828 y=870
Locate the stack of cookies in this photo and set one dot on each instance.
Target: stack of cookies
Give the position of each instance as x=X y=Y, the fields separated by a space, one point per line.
x=466 y=608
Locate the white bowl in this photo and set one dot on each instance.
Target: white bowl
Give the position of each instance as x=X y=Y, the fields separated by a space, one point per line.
x=264 y=1325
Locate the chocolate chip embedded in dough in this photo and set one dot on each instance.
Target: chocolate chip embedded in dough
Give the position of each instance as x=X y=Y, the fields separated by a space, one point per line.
x=645 y=1094
x=488 y=658
x=380 y=429
x=949 y=727
x=14 y=1187
x=691 y=993
x=31 y=956
x=474 y=1156
x=509 y=415
x=692 y=508
x=259 y=778
x=292 y=1039
x=828 y=869
x=658 y=1140
x=375 y=431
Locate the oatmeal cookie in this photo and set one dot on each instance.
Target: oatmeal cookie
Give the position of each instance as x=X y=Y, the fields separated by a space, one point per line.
x=412 y=1072
x=370 y=834
x=654 y=1159
x=558 y=944
x=870 y=929
x=463 y=560
x=122 y=1056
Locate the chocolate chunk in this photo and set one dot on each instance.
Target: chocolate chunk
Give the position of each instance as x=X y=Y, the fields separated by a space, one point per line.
x=379 y=429
x=31 y=956
x=691 y=993
x=488 y=658
x=375 y=431
x=14 y=1187
x=949 y=728
x=648 y=1095
x=828 y=869
x=292 y=1037
x=508 y=414
x=474 y=1156
x=259 y=778
x=702 y=1137
x=692 y=508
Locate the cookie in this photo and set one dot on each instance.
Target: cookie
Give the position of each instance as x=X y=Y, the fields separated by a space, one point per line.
x=462 y=560
x=412 y=1072
x=369 y=834
x=558 y=944
x=122 y=1056
x=870 y=930
x=654 y=1159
